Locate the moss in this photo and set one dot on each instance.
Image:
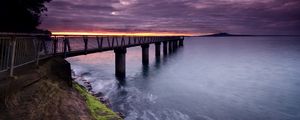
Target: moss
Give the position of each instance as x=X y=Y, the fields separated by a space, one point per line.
x=98 y=110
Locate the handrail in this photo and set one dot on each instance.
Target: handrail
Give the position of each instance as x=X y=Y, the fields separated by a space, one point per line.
x=89 y=36
x=66 y=35
x=23 y=34
x=18 y=49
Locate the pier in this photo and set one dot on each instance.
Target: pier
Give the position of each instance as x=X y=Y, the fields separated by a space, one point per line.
x=17 y=50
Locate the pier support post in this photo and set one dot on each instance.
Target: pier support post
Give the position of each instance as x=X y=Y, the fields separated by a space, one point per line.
x=170 y=46
x=175 y=44
x=120 y=62
x=157 y=49
x=181 y=42
x=145 y=54
x=85 y=40
x=165 y=47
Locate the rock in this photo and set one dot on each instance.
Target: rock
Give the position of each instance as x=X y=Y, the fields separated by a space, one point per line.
x=84 y=80
x=107 y=103
x=121 y=115
x=89 y=86
x=99 y=94
x=86 y=74
x=103 y=100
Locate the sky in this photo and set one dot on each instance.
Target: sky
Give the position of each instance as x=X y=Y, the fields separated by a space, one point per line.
x=194 y=17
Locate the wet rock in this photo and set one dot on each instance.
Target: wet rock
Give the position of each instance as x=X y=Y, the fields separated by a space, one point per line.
x=89 y=86
x=84 y=80
x=99 y=94
x=86 y=74
x=121 y=115
x=108 y=104
x=102 y=99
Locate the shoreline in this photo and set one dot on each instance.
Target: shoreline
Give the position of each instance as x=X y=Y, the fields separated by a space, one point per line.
x=99 y=95
x=94 y=104
x=49 y=92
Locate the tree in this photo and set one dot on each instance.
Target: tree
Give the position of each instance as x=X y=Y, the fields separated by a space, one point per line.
x=21 y=15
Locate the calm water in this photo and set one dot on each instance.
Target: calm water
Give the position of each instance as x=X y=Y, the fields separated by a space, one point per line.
x=231 y=78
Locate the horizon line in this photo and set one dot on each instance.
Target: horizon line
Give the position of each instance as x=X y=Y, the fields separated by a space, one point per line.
x=57 y=33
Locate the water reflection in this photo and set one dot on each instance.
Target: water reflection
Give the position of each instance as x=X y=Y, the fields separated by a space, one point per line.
x=157 y=62
x=145 y=69
x=121 y=81
x=210 y=78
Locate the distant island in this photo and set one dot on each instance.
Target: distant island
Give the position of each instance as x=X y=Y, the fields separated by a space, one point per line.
x=223 y=34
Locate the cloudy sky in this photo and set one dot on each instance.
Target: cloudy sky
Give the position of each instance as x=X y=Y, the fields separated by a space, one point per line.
x=177 y=16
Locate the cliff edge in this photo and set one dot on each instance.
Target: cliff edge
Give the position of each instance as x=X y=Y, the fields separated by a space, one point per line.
x=48 y=93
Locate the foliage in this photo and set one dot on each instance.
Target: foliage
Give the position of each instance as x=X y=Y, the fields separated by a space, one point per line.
x=21 y=15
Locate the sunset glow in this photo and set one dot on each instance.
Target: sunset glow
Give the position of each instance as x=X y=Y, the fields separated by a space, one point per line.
x=125 y=34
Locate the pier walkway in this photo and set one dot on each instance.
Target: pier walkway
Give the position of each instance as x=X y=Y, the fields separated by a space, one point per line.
x=17 y=50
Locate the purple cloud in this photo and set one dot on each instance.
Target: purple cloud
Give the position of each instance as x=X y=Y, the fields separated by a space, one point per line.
x=183 y=16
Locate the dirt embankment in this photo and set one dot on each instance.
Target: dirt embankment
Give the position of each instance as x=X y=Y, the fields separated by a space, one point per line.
x=47 y=93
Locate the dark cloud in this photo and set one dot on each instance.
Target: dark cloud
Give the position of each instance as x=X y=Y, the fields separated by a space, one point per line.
x=184 y=16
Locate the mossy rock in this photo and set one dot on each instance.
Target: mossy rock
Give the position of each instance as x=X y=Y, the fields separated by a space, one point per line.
x=98 y=110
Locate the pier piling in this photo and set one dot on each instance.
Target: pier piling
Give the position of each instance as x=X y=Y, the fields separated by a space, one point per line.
x=165 y=47
x=157 y=49
x=145 y=54
x=120 y=62
x=181 y=42
x=175 y=44
x=170 y=46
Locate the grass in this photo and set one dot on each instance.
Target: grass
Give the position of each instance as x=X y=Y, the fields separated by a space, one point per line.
x=98 y=110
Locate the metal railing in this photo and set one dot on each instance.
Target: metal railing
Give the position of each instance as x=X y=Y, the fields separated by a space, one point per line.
x=68 y=45
x=18 y=49
x=21 y=49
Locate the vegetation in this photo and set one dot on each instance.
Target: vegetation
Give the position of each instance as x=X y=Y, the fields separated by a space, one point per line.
x=41 y=94
x=21 y=15
x=98 y=110
x=44 y=93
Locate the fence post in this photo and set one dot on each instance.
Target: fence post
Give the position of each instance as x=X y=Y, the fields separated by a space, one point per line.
x=55 y=45
x=65 y=47
x=44 y=44
x=12 y=62
x=38 y=47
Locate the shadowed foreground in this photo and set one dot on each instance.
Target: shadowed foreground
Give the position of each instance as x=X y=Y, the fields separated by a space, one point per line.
x=45 y=93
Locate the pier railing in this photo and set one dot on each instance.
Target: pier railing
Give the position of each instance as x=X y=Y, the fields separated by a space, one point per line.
x=20 y=49
x=73 y=45
x=17 y=49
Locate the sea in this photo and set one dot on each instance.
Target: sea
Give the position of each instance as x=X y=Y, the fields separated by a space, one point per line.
x=209 y=78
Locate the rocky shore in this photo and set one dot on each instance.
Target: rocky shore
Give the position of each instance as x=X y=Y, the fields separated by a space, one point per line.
x=48 y=93
x=99 y=95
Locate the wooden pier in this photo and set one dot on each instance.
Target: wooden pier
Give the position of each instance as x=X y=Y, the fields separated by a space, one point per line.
x=17 y=50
